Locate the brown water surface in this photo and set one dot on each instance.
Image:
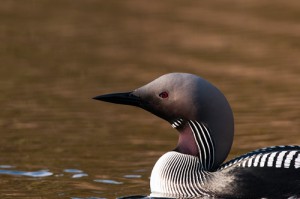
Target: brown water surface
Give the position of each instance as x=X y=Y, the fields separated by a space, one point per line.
x=56 y=55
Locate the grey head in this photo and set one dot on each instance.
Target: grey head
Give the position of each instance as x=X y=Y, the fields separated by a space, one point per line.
x=185 y=97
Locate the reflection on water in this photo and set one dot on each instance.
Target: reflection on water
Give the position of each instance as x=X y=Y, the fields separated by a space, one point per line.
x=6 y=166
x=132 y=176
x=56 y=56
x=108 y=181
x=42 y=173
x=35 y=174
x=76 y=173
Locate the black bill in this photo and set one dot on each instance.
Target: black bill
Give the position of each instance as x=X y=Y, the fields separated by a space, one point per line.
x=120 y=98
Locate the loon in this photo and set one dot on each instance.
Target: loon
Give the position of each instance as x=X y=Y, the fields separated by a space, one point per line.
x=204 y=119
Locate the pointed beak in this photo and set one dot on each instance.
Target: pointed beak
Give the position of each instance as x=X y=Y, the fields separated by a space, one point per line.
x=127 y=98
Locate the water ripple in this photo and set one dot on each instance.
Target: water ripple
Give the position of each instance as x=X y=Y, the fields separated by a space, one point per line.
x=108 y=181
x=73 y=171
x=6 y=166
x=132 y=176
x=87 y=198
x=41 y=173
x=79 y=175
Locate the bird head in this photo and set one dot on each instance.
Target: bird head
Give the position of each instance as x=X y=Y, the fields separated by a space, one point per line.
x=184 y=97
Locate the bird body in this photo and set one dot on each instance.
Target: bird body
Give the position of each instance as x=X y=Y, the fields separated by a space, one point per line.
x=203 y=117
x=262 y=173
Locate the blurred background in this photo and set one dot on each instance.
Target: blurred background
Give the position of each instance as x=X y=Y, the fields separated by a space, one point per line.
x=56 y=55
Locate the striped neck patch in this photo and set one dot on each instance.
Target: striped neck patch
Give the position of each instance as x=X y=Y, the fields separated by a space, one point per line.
x=177 y=123
x=205 y=144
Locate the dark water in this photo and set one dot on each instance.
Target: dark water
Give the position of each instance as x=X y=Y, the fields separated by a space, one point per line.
x=56 y=55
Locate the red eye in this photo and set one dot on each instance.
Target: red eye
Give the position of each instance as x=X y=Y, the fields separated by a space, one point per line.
x=164 y=95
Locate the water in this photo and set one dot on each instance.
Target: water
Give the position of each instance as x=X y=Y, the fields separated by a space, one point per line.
x=55 y=56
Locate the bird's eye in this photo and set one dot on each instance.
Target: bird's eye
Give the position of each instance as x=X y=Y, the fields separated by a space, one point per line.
x=164 y=95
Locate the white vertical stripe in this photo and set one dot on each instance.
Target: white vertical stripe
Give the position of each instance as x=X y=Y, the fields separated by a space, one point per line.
x=166 y=177
x=178 y=176
x=263 y=160
x=192 y=126
x=244 y=163
x=249 y=162
x=271 y=159
x=279 y=159
x=211 y=147
x=256 y=160
x=184 y=178
x=288 y=159
x=189 y=177
x=204 y=143
x=297 y=161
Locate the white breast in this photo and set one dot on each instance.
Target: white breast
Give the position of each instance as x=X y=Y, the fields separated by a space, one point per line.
x=177 y=175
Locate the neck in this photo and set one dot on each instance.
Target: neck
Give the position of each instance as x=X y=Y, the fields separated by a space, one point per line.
x=195 y=139
x=186 y=141
x=205 y=144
